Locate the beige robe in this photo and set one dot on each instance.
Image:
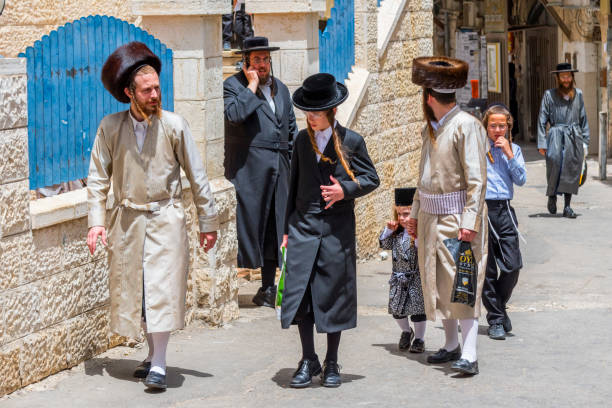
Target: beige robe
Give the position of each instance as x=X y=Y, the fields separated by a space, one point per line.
x=456 y=162
x=147 y=234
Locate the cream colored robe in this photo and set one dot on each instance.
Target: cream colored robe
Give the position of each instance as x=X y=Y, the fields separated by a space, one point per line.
x=456 y=162
x=147 y=234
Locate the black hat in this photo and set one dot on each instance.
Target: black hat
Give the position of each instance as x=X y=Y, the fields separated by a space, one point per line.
x=256 y=44
x=319 y=92
x=404 y=196
x=439 y=73
x=122 y=63
x=563 y=67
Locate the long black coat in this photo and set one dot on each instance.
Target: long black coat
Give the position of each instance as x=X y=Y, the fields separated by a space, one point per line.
x=321 y=248
x=257 y=154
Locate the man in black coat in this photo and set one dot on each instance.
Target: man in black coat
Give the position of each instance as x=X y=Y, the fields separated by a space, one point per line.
x=259 y=131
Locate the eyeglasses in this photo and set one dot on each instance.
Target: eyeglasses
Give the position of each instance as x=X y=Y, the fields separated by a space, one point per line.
x=257 y=60
x=497 y=127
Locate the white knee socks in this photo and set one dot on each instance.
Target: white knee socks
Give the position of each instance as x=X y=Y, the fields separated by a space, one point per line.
x=404 y=324
x=160 y=343
x=469 y=332
x=451 y=334
x=419 y=330
x=149 y=341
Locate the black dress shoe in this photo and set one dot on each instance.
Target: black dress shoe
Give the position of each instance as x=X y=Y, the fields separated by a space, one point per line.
x=552 y=204
x=569 y=213
x=417 y=346
x=302 y=377
x=405 y=340
x=443 y=356
x=507 y=324
x=156 y=380
x=465 y=367
x=265 y=297
x=497 y=332
x=331 y=374
x=142 y=370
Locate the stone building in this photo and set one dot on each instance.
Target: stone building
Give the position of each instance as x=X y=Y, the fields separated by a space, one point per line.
x=53 y=294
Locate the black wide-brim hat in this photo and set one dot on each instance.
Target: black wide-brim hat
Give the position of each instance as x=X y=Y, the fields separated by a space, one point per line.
x=404 y=196
x=439 y=72
x=256 y=44
x=563 y=67
x=122 y=63
x=319 y=92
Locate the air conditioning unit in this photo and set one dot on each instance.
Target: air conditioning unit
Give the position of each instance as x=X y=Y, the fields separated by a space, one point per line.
x=469 y=14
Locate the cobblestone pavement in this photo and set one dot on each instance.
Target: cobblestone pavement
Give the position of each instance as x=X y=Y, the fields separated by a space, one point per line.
x=558 y=355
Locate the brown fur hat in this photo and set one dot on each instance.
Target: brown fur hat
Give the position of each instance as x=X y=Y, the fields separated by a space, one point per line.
x=121 y=64
x=439 y=72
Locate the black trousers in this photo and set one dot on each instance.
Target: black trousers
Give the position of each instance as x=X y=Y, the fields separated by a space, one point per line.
x=505 y=254
x=238 y=23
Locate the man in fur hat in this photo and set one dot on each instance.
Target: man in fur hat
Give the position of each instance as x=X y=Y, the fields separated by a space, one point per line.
x=449 y=204
x=568 y=138
x=141 y=151
x=259 y=131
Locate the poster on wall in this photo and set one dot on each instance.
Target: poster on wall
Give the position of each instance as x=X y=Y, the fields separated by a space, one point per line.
x=468 y=50
x=494 y=67
x=483 y=68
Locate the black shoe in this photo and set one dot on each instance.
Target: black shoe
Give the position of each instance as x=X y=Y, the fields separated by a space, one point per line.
x=302 y=377
x=142 y=370
x=417 y=346
x=497 y=332
x=265 y=297
x=405 y=340
x=443 y=356
x=507 y=324
x=552 y=204
x=331 y=374
x=156 y=380
x=465 y=367
x=569 y=213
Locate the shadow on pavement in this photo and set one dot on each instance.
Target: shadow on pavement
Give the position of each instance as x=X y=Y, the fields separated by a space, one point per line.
x=283 y=377
x=548 y=215
x=123 y=369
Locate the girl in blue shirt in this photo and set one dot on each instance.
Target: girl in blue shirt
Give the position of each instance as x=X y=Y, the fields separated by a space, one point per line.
x=505 y=167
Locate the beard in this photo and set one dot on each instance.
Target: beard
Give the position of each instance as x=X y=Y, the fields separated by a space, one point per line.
x=147 y=110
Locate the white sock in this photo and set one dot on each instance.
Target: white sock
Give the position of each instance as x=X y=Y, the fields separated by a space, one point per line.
x=469 y=332
x=160 y=343
x=404 y=324
x=149 y=341
x=451 y=334
x=419 y=330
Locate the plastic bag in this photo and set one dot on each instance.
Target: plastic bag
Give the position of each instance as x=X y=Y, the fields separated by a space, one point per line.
x=280 y=286
x=466 y=276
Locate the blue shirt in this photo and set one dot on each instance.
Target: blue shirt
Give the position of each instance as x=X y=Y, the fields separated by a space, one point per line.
x=502 y=174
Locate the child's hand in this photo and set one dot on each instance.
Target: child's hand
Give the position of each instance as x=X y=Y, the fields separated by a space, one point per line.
x=505 y=146
x=392 y=225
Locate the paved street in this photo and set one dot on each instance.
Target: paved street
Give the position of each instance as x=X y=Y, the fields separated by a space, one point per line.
x=558 y=356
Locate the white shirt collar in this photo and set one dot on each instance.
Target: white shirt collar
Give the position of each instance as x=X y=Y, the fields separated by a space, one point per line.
x=440 y=123
x=136 y=122
x=322 y=138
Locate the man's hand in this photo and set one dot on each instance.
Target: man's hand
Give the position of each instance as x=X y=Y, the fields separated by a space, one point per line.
x=392 y=225
x=505 y=146
x=412 y=227
x=285 y=241
x=210 y=238
x=542 y=152
x=466 y=235
x=92 y=237
x=252 y=77
x=332 y=193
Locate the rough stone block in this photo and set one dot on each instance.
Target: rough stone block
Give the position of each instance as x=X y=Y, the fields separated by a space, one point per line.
x=14 y=154
x=43 y=354
x=293 y=66
x=52 y=12
x=225 y=199
x=95 y=290
x=88 y=335
x=22 y=311
x=74 y=243
x=215 y=151
x=214 y=123
x=193 y=112
x=225 y=250
x=13 y=102
x=421 y=24
x=213 y=77
x=14 y=208
x=15 y=259
x=10 y=379
x=60 y=295
x=47 y=245
x=187 y=83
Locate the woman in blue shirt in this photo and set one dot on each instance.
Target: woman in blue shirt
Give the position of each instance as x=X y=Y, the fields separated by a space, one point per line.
x=505 y=167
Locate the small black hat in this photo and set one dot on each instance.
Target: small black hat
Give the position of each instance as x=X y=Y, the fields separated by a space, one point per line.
x=256 y=44
x=563 y=67
x=319 y=92
x=121 y=64
x=404 y=196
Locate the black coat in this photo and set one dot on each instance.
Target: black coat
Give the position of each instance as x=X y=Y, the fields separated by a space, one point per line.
x=321 y=248
x=257 y=154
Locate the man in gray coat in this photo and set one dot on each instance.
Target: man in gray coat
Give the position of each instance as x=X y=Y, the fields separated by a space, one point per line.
x=259 y=131
x=567 y=140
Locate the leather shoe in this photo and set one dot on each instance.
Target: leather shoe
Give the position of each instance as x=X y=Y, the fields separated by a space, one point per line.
x=443 y=356
x=552 y=204
x=465 y=367
x=417 y=346
x=331 y=374
x=265 y=297
x=497 y=332
x=302 y=377
x=142 y=370
x=569 y=213
x=405 y=340
x=156 y=380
